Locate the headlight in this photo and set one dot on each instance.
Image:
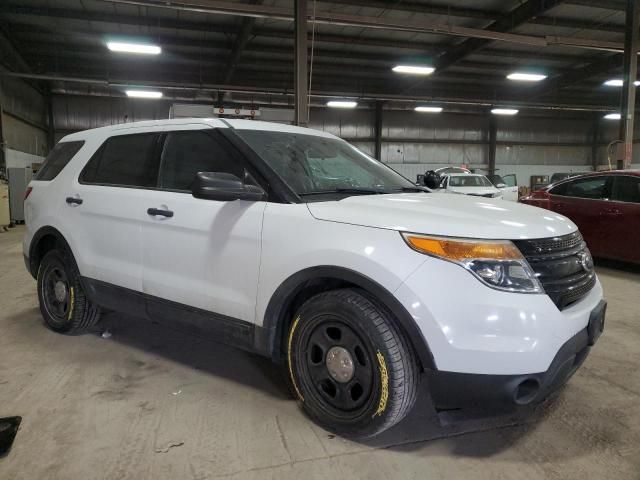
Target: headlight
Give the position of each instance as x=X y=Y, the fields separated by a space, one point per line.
x=497 y=263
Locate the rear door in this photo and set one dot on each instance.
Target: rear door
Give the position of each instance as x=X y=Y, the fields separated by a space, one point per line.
x=584 y=200
x=200 y=253
x=107 y=205
x=621 y=219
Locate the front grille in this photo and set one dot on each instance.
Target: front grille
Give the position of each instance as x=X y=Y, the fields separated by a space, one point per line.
x=561 y=266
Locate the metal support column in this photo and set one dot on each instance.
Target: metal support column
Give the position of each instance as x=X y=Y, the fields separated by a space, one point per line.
x=628 y=101
x=51 y=132
x=300 y=73
x=595 y=134
x=378 y=130
x=493 y=135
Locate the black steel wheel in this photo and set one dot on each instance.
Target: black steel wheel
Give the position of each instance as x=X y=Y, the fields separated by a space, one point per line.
x=56 y=293
x=63 y=304
x=349 y=365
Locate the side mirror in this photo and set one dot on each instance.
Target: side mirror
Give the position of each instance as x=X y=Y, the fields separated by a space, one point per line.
x=225 y=187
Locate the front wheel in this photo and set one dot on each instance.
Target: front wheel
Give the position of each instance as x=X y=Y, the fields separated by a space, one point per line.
x=349 y=365
x=63 y=304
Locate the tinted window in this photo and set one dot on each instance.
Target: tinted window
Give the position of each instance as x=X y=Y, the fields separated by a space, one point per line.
x=626 y=189
x=593 y=188
x=559 y=189
x=127 y=160
x=57 y=159
x=187 y=153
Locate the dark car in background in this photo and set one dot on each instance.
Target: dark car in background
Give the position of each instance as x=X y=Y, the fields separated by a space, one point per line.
x=604 y=205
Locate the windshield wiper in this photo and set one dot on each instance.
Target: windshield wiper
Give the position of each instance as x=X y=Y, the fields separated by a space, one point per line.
x=352 y=190
x=414 y=189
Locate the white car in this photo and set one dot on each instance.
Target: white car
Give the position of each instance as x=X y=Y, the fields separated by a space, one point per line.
x=291 y=243
x=469 y=184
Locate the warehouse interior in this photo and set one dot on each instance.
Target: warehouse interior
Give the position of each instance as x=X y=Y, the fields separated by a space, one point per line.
x=139 y=400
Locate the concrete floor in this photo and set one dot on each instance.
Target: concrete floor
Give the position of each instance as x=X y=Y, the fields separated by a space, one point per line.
x=96 y=408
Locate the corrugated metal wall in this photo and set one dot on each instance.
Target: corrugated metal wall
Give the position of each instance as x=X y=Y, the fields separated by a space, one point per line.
x=412 y=142
x=24 y=117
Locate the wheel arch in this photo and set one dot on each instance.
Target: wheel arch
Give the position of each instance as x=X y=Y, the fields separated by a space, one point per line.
x=306 y=283
x=45 y=239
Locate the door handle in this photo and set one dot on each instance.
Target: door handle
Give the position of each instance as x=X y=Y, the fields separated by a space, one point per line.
x=74 y=201
x=162 y=213
x=612 y=211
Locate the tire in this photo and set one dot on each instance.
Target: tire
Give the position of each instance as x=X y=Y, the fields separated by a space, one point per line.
x=63 y=304
x=362 y=392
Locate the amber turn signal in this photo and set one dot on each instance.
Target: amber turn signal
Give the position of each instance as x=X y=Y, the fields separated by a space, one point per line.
x=462 y=249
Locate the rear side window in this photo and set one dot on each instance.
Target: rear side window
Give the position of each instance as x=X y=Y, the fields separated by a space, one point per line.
x=125 y=160
x=57 y=159
x=626 y=189
x=189 y=152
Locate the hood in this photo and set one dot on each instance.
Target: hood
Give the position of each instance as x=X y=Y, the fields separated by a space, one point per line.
x=446 y=215
x=474 y=190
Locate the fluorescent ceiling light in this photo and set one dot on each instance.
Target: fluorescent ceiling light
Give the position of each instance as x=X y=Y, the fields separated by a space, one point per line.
x=526 y=77
x=612 y=116
x=134 y=48
x=342 y=104
x=504 y=111
x=617 y=82
x=413 y=69
x=143 y=94
x=428 y=109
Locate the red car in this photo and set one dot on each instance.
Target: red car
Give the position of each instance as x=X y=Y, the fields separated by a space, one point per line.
x=604 y=205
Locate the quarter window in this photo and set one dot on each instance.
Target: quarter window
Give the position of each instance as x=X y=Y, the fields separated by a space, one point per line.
x=626 y=189
x=125 y=160
x=57 y=159
x=187 y=153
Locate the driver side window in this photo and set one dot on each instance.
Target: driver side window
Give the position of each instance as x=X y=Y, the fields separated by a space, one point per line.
x=186 y=153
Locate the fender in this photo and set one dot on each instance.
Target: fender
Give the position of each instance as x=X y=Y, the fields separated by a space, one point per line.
x=33 y=259
x=270 y=336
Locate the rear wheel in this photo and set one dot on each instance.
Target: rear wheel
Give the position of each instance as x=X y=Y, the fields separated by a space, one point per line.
x=63 y=304
x=349 y=365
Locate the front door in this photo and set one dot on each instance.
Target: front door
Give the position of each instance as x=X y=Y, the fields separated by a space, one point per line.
x=203 y=254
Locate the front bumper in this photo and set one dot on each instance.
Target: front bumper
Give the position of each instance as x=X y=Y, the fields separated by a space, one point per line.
x=457 y=390
x=470 y=328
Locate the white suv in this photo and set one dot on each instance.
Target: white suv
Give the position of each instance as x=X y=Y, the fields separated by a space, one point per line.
x=294 y=244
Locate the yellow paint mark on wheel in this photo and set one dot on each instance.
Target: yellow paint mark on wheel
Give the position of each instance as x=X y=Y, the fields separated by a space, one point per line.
x=71 y=302
x=293 y=380
x=384 y=380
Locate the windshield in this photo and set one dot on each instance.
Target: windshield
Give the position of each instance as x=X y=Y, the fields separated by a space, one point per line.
x=469 y=181
x=313 y=165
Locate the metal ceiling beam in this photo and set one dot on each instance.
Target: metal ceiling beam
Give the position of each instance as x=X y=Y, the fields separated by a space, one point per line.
x=419 y=7
x=521 y=14
x=619 y=5
x=478 y=36
x=450 y=96
x=329 y=18
x=168 y=23
x=628 y=100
